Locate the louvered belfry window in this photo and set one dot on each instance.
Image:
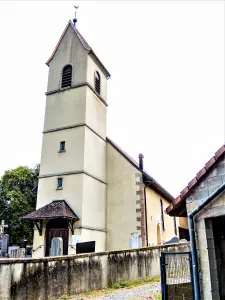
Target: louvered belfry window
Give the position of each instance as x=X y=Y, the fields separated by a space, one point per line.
x=97 y=82
x=67 y=76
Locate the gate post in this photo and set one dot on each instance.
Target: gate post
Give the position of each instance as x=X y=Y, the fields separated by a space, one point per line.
x=163 y=275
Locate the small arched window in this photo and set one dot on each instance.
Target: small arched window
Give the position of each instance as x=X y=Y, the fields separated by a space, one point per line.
x=66 y=76
x=97 y=82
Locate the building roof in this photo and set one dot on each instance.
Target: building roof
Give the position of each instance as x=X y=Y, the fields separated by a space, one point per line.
x=178 y=206
x=85 y=45
x=147 y=178
x=53 y=210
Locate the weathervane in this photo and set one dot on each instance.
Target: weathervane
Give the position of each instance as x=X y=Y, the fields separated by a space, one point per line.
x=75 y=18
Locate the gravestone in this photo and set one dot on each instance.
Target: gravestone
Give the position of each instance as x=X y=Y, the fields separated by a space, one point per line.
x=5 y=245
x=135 y=240
x=17 y=253
x=56 y=246
x=172 y=241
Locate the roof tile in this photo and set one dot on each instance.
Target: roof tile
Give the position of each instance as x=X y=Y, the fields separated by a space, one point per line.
x=177 y=200
x=192 y=183
x=201 y=173
x=210 y=163
x=184 y=192
x=220 y=152
x=196 y=179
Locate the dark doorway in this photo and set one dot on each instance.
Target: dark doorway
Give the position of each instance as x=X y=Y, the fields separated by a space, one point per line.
x=57 y=228
x=86 y=247
x=218 y=225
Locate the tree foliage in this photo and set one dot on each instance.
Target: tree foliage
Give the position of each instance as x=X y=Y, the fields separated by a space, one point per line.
x=17 y=200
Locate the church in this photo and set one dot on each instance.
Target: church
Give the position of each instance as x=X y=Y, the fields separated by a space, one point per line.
x=90 y=192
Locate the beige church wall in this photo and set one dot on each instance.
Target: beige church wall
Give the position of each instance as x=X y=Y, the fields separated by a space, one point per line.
x=53 y=161
x=183 y=222
x=38 y=244
x=99 y=237
x=154 y=217
x=65 y=109
x=93 y=203
x=121 y=200
x=95 y=113
x=95 y=155
x=87 y=235
x=91 y=68
x=72 y=191
x=70 y=51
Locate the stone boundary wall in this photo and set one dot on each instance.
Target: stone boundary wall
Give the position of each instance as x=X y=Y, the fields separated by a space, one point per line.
x=53 y=277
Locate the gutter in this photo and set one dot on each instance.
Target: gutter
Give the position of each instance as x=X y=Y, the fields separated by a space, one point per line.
x=193 y=241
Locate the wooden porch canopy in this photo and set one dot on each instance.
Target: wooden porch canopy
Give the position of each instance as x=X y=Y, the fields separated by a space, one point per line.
x=55 y=209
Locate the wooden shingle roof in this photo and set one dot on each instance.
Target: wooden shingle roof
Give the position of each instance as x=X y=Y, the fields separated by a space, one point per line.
x=53 y=210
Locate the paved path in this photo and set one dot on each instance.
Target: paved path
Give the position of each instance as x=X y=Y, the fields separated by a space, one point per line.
x=144 y=292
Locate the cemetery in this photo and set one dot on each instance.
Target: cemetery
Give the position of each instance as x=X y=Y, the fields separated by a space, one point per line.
x=44 y=278
x=7 y=251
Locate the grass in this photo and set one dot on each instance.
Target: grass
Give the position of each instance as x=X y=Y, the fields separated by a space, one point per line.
x=119 y=285
x=157 y=296
x=134 y=283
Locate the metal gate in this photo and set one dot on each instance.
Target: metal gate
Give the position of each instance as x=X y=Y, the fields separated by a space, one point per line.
x=176 y=276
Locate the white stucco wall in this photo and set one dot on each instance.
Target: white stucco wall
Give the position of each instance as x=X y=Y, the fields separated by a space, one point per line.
x=66 y=108
x=121 y=200
x=38 y=244
x=72 y=191
x=52 y=161
x=99 y=237
x=93 y=203
x=70 y=51
x=95 y=113
x=95 y=155
x=91 y=68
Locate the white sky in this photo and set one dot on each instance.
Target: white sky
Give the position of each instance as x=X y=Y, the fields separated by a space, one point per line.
x=166 y=93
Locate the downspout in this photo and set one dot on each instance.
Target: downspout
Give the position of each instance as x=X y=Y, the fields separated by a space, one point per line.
x=141 y=166
x=146 y=215
x=193 y=240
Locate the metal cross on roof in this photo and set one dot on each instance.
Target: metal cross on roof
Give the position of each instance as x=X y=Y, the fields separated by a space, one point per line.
x=2 y=226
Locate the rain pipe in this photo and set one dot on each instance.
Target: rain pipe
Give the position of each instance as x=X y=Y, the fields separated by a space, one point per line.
x=193 y=241
x=147 y=184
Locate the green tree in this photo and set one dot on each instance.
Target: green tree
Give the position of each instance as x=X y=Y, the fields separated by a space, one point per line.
x=17 y=200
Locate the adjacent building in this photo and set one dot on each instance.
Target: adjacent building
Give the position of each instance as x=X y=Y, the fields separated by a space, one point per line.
x=204 y=198
x=90 y=192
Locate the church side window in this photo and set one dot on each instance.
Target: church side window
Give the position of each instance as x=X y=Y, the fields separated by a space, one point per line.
x=60 y=183
x=162 y=215
x=67 y=76
x=62 y=147
x=97 y=82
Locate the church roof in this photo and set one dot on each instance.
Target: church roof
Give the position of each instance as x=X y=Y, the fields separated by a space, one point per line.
x=55 y=209
x=85 y=45
x=155 y=185
x=178 y=206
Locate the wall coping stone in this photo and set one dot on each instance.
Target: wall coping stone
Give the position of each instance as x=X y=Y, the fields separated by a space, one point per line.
x=10 y=261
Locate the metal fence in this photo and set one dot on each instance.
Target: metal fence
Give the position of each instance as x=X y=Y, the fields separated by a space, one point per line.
x=176 y=276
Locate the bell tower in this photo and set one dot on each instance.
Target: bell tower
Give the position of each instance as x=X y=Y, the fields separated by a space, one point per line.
x=73 y=157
